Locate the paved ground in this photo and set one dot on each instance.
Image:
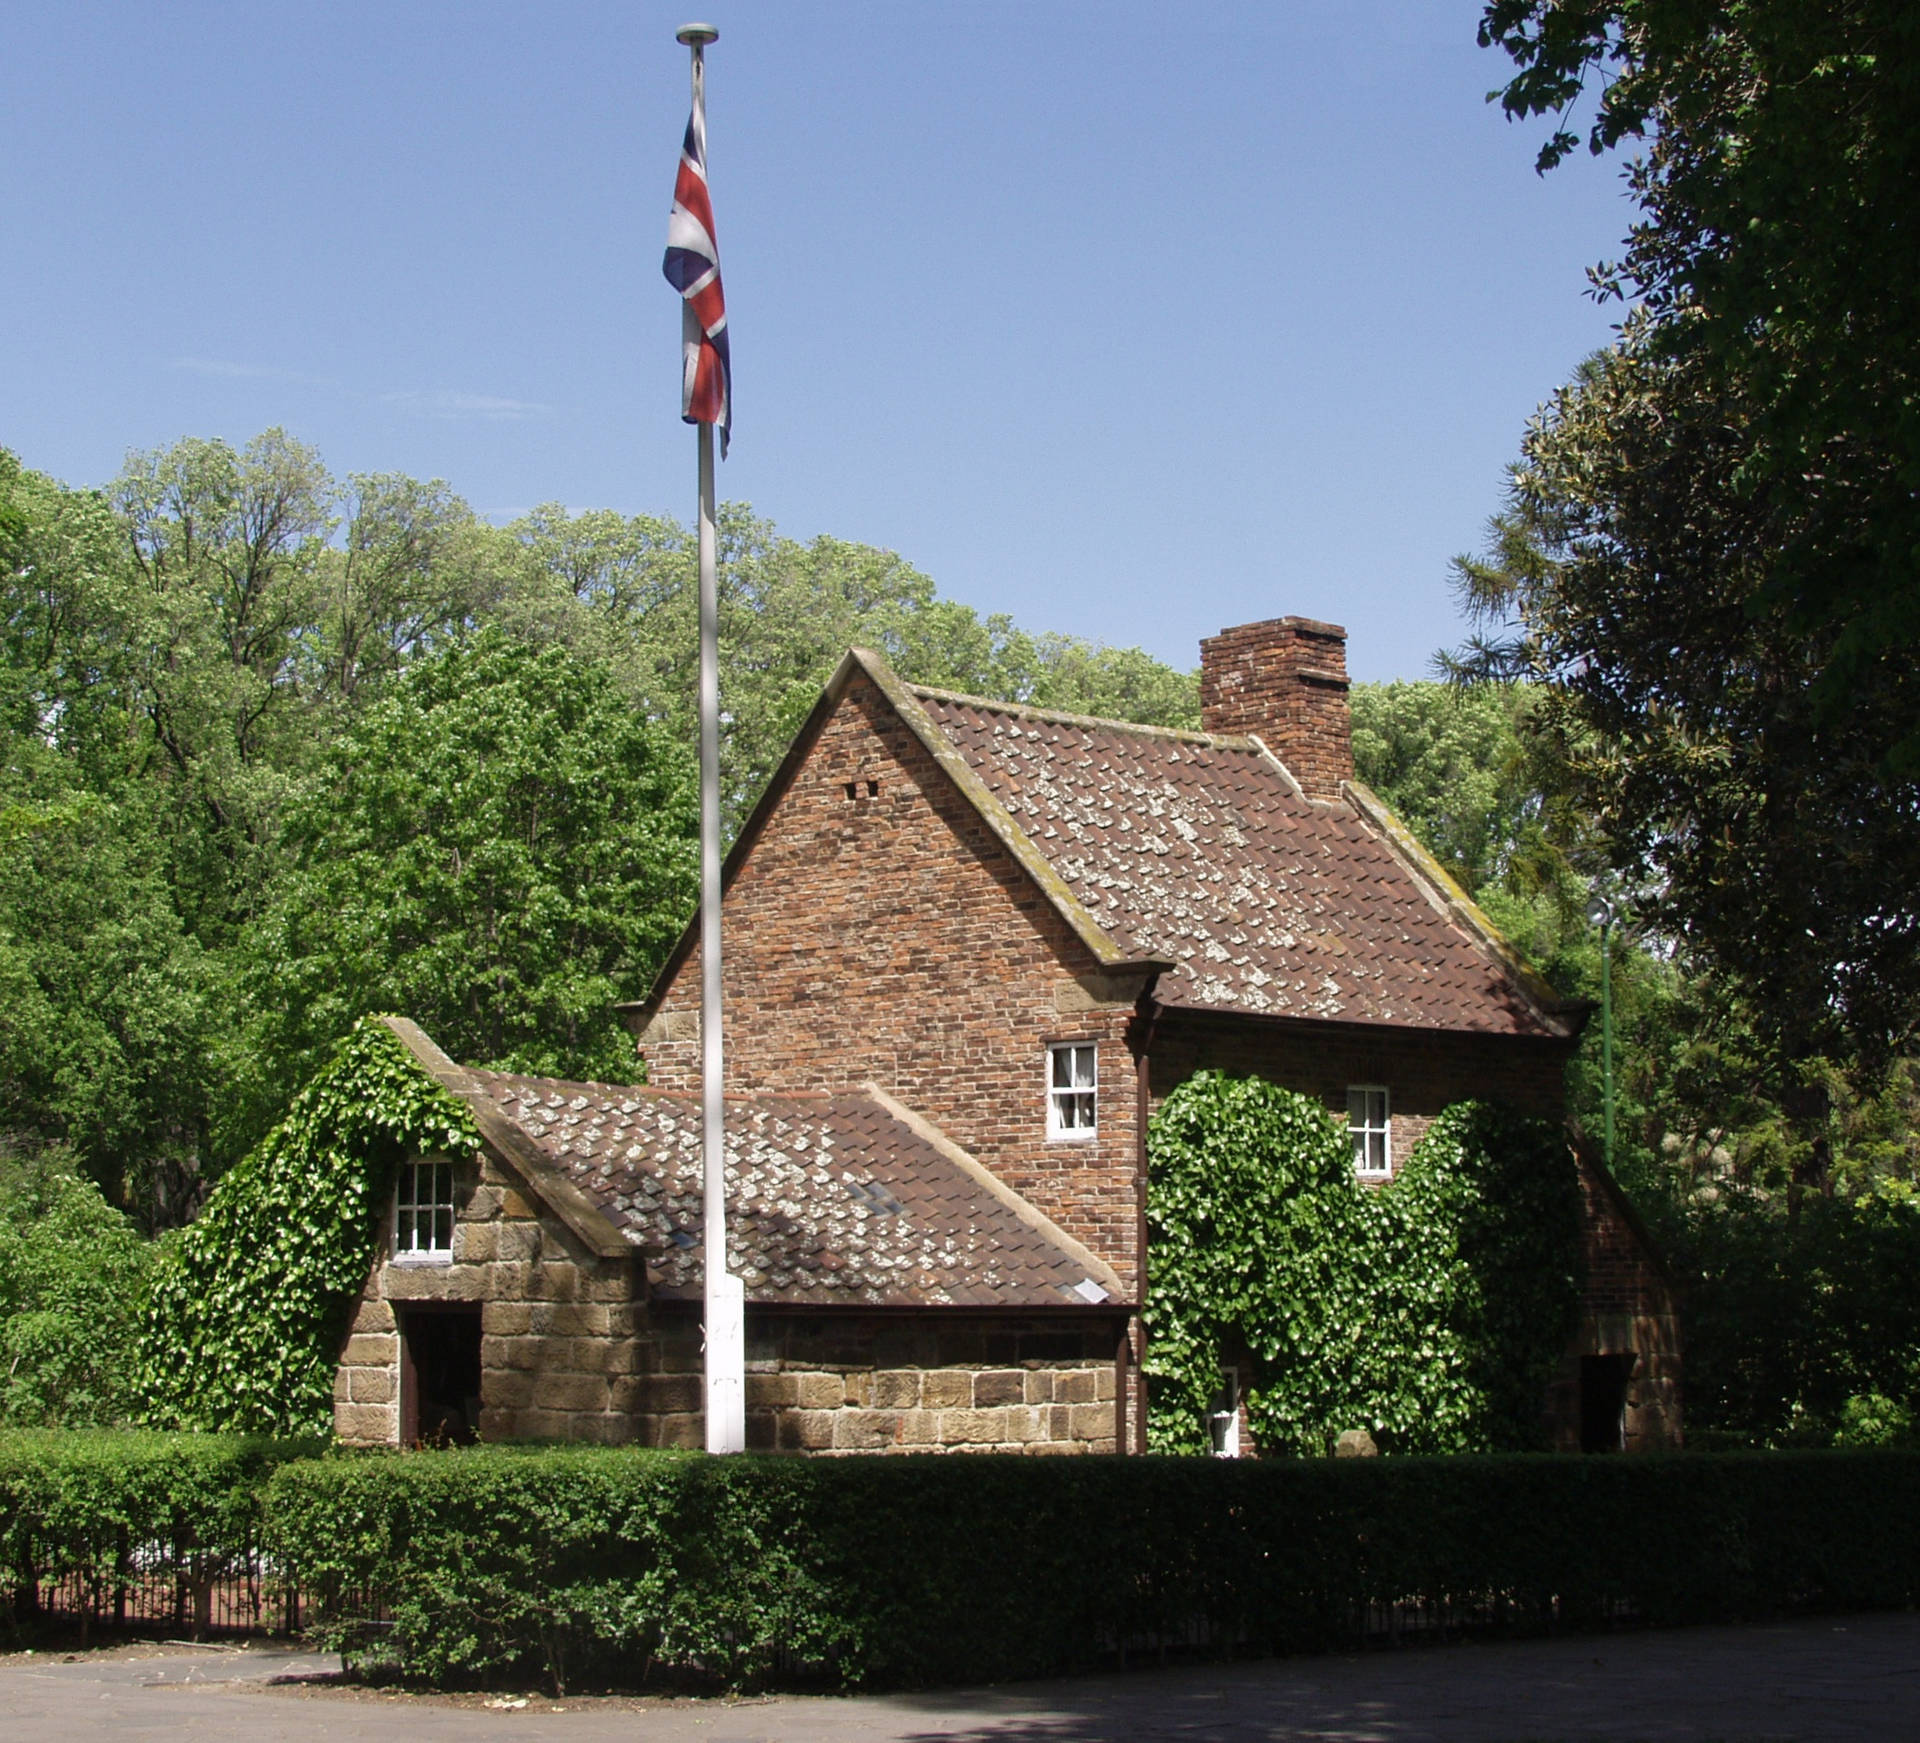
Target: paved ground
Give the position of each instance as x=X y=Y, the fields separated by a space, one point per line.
x=1804 y=1682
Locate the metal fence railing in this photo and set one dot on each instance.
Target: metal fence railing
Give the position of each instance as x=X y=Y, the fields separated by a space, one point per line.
x=144 y=1586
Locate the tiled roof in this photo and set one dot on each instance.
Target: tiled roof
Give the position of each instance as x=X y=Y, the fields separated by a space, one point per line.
x=832 y=1199
x=1196 y=848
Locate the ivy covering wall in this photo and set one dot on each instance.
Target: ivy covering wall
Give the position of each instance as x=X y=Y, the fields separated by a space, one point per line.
x=249 y=1303
x=1432 y=1311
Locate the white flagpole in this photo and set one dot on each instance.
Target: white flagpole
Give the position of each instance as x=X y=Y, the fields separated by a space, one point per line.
x=726 y=1391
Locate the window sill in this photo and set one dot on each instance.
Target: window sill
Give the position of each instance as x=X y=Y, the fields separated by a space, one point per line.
x=1085 y=1137
x=413 y=1261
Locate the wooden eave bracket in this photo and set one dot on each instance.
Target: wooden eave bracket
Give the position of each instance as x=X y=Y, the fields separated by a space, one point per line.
x=1565 y=1017
x=544 y=1178
x=931 y=1135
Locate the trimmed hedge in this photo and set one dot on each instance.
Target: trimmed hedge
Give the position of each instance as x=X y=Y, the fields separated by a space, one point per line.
x=586 y=1565
x=603 y=1565
x=76 y=1505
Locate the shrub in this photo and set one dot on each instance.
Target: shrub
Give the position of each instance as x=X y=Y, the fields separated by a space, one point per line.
x=250 y=1302
x=1431 y=1311
x=602 y=1564
x=79 y=1505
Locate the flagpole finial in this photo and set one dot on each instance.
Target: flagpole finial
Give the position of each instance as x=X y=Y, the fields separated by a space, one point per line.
x=696 y=35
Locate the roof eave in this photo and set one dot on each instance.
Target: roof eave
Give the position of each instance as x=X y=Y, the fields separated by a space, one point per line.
x=1562 y=1017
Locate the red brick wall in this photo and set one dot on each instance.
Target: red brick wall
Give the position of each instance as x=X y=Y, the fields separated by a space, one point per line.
x=890 y=937
x=1285 y=679
x=1629 y=1307
x=1424 y=1072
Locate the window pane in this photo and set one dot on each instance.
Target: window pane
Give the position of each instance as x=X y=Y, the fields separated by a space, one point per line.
x=1062 y=1068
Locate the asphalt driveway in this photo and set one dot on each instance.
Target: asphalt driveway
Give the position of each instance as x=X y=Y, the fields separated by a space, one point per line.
x=1832 y=1680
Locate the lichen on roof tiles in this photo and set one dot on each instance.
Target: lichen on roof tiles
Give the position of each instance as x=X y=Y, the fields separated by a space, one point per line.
x=1195 y=849
x=831 y=1198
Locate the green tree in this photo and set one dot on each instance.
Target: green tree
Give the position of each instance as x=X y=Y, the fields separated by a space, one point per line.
x=73 y=1276
x=1454 y=764
x=1779 y=188
x=498 y=847
x=624 y=592
x=1758 y=832
x=108 y=1008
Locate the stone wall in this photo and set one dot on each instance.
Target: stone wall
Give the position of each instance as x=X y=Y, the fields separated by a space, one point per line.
x=561 y=1329
x=881 y=1383
x=571 y=1351
x=880 y=932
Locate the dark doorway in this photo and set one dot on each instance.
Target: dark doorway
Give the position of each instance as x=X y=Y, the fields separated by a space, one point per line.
x=439 y=1375
x=1603 y=1402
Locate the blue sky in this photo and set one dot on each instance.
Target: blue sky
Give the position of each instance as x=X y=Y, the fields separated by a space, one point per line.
x=1132 y=321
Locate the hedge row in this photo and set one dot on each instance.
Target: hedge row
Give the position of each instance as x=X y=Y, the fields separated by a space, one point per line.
x=598 y=1565
x=82 y=1506
x=601 y=1564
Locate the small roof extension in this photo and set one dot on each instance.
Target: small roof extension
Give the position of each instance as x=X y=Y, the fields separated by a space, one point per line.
x=833 y=1200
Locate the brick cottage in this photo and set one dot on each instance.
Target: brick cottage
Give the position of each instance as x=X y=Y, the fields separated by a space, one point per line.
x=970 y=947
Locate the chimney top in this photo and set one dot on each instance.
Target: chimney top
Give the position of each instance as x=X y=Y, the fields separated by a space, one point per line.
x=1284 y=679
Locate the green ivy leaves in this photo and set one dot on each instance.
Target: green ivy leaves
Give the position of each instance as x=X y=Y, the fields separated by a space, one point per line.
x=1432 y=1311
x=249 y=1304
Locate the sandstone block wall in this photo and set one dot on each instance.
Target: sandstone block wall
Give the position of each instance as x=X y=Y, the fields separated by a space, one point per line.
x=884 y=1384
x=561 y=1329
x=570 y=1351
x=880 y=932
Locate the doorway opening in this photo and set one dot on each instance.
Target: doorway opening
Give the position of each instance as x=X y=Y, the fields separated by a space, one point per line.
x=440 y=1374
x=1603 y=1402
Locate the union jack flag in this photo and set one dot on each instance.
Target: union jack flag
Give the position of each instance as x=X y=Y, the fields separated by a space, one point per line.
x=692 y=267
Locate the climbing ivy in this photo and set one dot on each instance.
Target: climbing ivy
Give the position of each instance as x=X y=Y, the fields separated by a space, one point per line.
x=1431 y=1311
x=249 y=1303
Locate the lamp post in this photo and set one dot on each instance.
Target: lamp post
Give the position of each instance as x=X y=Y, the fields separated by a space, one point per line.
x=1600 y=913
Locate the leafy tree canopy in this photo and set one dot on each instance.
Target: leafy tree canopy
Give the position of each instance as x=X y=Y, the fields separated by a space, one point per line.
x=1756 y=829
x=73 y=1274
x=498 y=846
x=1779 y=187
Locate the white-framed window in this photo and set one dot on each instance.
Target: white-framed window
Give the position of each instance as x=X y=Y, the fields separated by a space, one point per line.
x=1370 y=1127
x=1073 y=1090
x=423 y=1210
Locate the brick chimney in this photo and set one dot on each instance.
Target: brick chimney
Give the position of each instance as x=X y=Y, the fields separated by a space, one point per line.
x=1285 y=679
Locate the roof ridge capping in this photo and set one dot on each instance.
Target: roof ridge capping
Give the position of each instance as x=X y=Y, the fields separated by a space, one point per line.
x=1060 y=717
x=1563 y=1015
x=1103 y=946
x=1041 y=1224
